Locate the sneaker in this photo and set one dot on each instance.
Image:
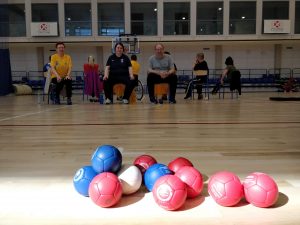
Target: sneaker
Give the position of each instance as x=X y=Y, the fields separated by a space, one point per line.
x=125 y=101
x=188 y=96
x=161 y=101
x=107 y=101
x=57 y=101
x=200 y=96
x=119 y=98
x=69 y=101
x=153 y=100
x=164 y=97
x=172 y=101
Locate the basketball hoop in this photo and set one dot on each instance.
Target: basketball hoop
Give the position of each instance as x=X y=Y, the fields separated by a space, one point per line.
x=130 y=41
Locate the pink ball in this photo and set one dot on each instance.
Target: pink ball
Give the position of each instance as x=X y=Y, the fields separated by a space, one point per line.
x=179 y=162
x=225 y=188
x=169 y=192
x=143 y=162
x=192 y=178
x=260 y=190
x=105 y=190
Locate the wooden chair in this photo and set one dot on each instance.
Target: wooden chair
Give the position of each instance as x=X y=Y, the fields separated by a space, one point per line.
x=119 y=89
x=160 y=90
x=205 y=86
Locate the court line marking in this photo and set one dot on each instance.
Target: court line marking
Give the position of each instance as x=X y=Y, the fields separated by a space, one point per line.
x=32 y=113
x=152 y=123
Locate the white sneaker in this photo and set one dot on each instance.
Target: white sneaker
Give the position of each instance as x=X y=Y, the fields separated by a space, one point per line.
x=125 y=101
x=107 y=101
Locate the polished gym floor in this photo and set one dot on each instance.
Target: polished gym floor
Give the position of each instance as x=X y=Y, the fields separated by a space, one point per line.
x=42 y=146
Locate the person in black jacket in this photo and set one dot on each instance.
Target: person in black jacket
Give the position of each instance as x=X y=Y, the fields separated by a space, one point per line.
x=200 y=65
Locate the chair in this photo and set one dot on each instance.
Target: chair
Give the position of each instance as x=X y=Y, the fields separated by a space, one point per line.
x=119 y=89
x=205 y=86
x=160 y=90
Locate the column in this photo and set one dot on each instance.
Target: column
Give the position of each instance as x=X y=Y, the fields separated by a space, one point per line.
x=61 y=17
x=259 y=19
x=127 y=17
x=94 y=13
x=160 y=18
x=193 y=17
x=226 y=18
x=28 y=17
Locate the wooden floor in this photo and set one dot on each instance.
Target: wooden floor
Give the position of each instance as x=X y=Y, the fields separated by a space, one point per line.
x=42 y=146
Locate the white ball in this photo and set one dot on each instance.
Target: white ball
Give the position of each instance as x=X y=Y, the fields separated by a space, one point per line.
x=131 y=179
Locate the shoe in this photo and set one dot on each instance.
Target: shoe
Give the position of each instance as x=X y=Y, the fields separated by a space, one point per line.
x=91 y=100
x=200 y=96
x=107 y=101
x=161 y=101
x=119 y=98
x=153 y=100
x=172 y=101
x=57 y=101
x=125 y=101
x=69 y=101
x=188 y=96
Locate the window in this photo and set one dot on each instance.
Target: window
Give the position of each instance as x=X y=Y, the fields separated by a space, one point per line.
x=111 y=19
x=176 y=18
x=44 y=13
x=242 y=18
x=297 y=18
x=209 y=18
x=12 y=20
x=78 y=19
x=144 y=18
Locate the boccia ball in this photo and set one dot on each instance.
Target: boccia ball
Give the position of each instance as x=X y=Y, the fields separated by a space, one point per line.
x=260 y=190
x=179 y=162
x=106 y=158
x=153 y=173
x=83 y=178
x=192 y=178
x=225 y=188
x=143 y=162
x=131 y=179
x=105 y=189
x=169 y=192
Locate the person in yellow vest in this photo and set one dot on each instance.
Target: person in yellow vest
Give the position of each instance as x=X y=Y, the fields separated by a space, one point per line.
x=135 y=68
x=61 y=66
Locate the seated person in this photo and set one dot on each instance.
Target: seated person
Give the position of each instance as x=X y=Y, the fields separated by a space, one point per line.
x=231 y=75
x=200 y=64
x=161 y=70
x=118 y=69
x=61 y=66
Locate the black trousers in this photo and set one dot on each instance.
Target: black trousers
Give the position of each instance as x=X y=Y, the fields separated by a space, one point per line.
x=198 y=81
x=112 y=80
x=153 y=79
x=59 y=86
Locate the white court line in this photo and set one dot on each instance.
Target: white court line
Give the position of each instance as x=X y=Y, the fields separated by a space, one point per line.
x=30 y=114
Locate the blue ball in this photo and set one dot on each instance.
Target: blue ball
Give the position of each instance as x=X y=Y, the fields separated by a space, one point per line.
x=83 y=178
x=106 y=158
x=153 y=173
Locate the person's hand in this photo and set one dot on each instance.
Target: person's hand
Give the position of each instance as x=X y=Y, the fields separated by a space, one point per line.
x=164 y=74
x=131 y=77
x=222 y=81
x=105 y=77
x=68 y=77
x=58 y=78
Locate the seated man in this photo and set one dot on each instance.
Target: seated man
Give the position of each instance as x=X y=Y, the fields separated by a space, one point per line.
x=161 y=70
x=61 y=65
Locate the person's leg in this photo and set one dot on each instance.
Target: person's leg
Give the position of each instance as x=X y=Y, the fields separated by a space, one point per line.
x=188 y=91
x=172 y=80
x=58 y=87
x=152 y=79
x=129 y=86
x=108 y=90
x=68 y=84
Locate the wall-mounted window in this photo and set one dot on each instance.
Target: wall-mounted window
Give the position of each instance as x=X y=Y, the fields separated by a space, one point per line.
x=275 y=10
x=297 y=18
x=44 y=13
x=12 y=20
x=111 y=19
x=176 y=18
x=242 y=19
x=209 y=18
x=144 y=18
x=78 y=19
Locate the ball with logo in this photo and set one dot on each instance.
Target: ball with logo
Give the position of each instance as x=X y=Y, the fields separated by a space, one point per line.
x=169 y=192
x=260 y=190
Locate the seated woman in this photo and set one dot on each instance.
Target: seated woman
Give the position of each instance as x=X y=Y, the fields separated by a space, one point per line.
x=200 y=65
x=118 y=69
x=231 y=75
x=92 y=83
